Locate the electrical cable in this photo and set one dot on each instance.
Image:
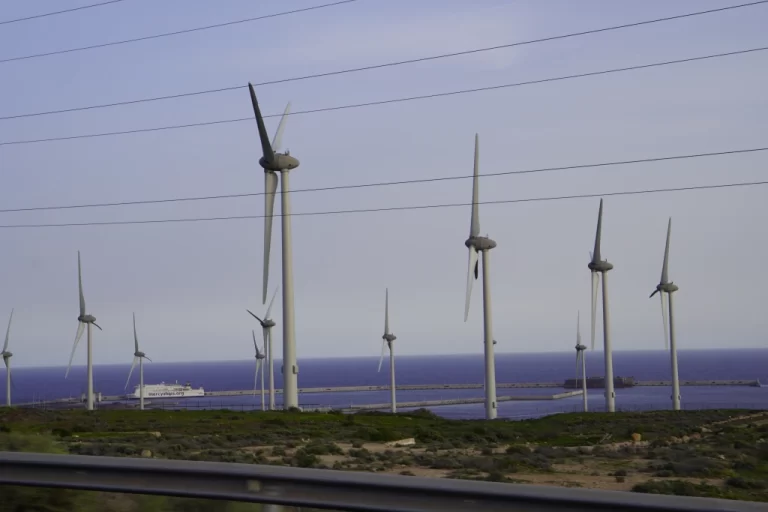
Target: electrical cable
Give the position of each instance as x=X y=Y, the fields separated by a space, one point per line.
x=389 y=101
x=388 y=183
x=374 y=66
x=388 y=209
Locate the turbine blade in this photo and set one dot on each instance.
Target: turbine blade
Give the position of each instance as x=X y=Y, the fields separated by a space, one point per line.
x=265 y=335
x=598 y=233
x=135 y=338
x=277 y=142
x=80 y=330
x=148 y=359
x=471 y=276
x=97 y=325
x=256 y=376
x=266 y=148
x=254 y=342
x=665 y=266
x=270 y=188
x=80 y=285
x=130 y=372
x=383 y=349
x=8 y=332
x=595 y=279
x=578 y=355
x=654 y=293
x=5 y=360
x=474 y=228
x=254 y=316
x=271 y=302
x=665 y=319
x=386 y=311
x=578 y=327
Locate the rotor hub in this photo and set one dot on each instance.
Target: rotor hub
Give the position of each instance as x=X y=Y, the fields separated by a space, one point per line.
x=139 y=354
x=261 y=356
x=268 y=323
x=480 y=243
x=7 y=355
x=389 y=338
x=580 y=347
x=87 y=319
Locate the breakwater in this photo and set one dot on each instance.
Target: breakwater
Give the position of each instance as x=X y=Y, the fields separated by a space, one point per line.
x=460 y=401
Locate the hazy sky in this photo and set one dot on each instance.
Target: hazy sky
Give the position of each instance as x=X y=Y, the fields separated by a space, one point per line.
x=189 y=284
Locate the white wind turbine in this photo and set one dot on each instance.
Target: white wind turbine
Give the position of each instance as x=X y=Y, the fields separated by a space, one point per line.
x=138 y=356
x=597 y=267
x=259 y=366
x=580 y=353
x=7 y=360
x=85 y=320
x=387 y=340
x=273 y=162
x=476 y=243
x=266 y=330
x=665 y=289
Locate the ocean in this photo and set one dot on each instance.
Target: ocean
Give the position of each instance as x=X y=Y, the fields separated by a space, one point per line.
x=34 y=384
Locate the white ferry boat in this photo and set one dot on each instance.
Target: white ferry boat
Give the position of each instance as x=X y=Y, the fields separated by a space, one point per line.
x=164 y=390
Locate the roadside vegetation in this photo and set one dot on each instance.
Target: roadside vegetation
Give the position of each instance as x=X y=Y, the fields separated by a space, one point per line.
x=716 y=453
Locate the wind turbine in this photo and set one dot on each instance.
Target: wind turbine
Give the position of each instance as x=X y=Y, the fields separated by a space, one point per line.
x=266 y=329
x=273 y=162
x=580 y=353
x=85 y=320
x=259 y=365
x=667 y=287
x=138 y=356
x=476 y=243
x=388 y=338
x=598 y=267
x=7 y=360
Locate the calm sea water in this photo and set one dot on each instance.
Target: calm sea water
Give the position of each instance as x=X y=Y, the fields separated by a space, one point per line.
x=48 y=383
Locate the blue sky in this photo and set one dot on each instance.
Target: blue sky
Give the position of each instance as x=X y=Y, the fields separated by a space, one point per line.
x=189 y=284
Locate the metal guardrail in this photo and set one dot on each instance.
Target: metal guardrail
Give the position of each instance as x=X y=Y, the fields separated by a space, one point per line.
x=339 y=490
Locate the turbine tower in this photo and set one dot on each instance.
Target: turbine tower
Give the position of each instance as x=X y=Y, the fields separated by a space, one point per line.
x=259 y=365
x=7 y=360
x=387 y=340
x=667 y=287
x=580 y=352
x=598 y=266
x=273 y=162
x=266 y=329
x=84 y=320
x=138 y=356
x=476 y=243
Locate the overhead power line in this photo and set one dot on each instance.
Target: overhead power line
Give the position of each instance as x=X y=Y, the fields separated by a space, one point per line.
x=389 y=101
x=384 y=65
x=374 y=66
x=54 y=13
x=388 y=209
x=389 y=183
x=176 y=33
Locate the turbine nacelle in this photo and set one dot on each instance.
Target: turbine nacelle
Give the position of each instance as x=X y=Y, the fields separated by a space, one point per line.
x=480 y=243
x=281 y=162
x=139 y=354
x=580 y=348
x=665 y=287
x=87 y=319
x=389 y=338
x=267 y=323
x=7 y=355
x=261 y=355
x=600 y=266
